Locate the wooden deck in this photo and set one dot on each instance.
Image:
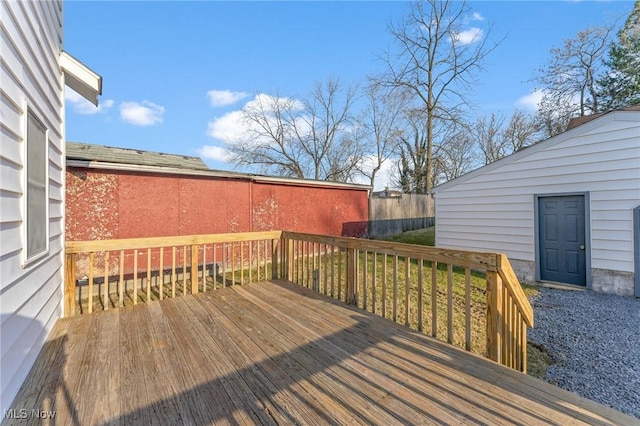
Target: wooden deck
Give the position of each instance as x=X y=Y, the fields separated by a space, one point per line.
x=276 y=353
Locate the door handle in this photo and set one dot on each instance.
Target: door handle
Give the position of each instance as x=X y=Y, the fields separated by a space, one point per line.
x=582 y=247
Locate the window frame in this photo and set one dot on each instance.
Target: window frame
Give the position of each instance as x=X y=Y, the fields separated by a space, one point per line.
x=30 y=116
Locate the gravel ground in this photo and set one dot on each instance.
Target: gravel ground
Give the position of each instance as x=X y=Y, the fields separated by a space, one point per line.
x=594 y=340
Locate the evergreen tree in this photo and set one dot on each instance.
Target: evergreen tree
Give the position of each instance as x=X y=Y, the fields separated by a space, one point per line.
x=620 y=87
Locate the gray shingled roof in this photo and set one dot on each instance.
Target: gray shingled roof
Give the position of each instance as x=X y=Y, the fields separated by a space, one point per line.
x=108 y=154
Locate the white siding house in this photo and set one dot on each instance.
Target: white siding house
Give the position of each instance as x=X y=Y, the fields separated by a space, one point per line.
x=562 y=210
x=33 y=71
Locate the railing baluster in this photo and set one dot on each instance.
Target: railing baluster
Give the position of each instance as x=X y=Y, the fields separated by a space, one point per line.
x=121 y=280
x=365 y=289
x=215 y=266
x=258 y=261
x=135 y=276
x=316 y=270
x=184 y=270
x=275 y=259
x=204 y=267
x=384 y=286
x=148 y=275
x=250 y=244
x=161 y=273
x=241 y=262
x=523 y=345
x=105 y=282
x=339 y=273
x=333 y=270
x=90 y=307
x=173 y=271
x=395 y=288
x=467 y=308
x=449 y=303
x=420 y=295
x=504 y=355
x=434 y=298
x=194 y=269
x=407 y=290
x=326 y=269
x=374 y=287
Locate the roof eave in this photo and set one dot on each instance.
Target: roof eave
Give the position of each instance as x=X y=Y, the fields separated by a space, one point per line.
x=212 y=173
x=81 y=78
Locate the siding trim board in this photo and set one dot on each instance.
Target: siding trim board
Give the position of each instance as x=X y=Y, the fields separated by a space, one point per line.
x=587 y=231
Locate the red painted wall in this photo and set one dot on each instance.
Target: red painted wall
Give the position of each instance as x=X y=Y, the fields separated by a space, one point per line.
x=114 y=204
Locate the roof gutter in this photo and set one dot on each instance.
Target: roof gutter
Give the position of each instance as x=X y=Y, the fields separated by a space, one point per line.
x=213 y=173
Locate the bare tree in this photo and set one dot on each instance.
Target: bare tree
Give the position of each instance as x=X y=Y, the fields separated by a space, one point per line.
x=568 y=80
x=312 y=138
x=381 y=124
x=487 y=131
x=496 y=139
x=456 y=157
x=435 y=60
x=521 y=131
x=412 y=174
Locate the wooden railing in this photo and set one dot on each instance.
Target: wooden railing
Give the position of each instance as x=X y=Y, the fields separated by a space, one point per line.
x=469 y=299
x=114 y=273
x=426 y=288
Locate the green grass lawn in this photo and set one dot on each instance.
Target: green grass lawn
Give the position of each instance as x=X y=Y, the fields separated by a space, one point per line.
x=424 y=237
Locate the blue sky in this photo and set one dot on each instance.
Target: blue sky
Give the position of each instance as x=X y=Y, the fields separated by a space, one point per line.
x=175 y=72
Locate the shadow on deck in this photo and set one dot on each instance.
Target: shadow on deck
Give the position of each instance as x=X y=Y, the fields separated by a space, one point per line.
x=276 y=353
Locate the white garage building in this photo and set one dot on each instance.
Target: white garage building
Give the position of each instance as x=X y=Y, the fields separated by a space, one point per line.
x=564 y=210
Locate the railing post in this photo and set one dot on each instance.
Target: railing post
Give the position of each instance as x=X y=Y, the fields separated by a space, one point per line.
x=70 y=285
x=194 y=269
x=494 y=316
x=351 y=290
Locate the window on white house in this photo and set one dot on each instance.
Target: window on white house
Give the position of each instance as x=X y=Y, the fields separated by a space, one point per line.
x=36 y=188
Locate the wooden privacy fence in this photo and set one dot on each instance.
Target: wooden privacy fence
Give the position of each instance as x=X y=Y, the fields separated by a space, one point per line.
x=430 y=289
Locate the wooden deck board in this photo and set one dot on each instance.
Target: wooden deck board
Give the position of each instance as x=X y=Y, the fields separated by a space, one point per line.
x=276 y=353
x=347 y=389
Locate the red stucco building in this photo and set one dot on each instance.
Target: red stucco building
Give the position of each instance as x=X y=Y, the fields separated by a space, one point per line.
x=114 y=193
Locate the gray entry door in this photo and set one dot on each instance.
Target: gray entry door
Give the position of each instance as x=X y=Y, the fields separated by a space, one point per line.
x=562 y=239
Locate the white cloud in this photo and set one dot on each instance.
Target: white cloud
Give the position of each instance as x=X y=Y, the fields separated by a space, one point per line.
x=144 y=113
x=230 y=126
x=530 y=101
x=469 y=36
x=220 y=98
x=227 y=127
x=384 y=176
x=82 y=106
x=477 y=16
x=214 y=153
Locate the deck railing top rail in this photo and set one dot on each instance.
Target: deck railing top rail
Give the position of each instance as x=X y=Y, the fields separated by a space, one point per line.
x=464 y=258
x=155 y=242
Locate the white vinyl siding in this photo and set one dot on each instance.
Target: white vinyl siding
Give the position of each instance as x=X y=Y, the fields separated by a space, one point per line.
x=31 y=293
x=492 y=209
